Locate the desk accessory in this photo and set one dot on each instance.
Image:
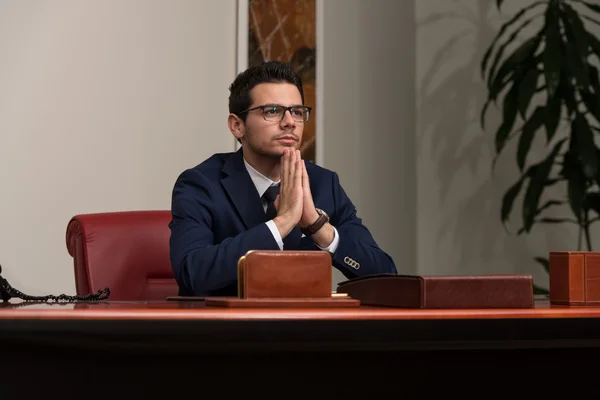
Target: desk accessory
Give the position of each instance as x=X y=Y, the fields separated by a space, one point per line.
x=7 y=292
x=441 y=292
x=574 y=278
x=272 y=278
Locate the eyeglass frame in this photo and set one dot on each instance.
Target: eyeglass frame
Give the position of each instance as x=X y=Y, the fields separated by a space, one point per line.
x=285 y=109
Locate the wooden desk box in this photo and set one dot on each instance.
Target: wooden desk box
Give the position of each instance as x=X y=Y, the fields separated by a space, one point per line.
x=575 y=277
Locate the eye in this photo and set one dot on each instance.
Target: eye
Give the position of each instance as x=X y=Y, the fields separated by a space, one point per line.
x=272 y=110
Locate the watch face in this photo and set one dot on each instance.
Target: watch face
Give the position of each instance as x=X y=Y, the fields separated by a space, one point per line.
x=322 y=212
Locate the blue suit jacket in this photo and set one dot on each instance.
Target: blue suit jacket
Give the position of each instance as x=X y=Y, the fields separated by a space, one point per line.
x=218 y=217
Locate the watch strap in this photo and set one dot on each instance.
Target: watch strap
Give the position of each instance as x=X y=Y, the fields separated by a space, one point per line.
x=318 y=224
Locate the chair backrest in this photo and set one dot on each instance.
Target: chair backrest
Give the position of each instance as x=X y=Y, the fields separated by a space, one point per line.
x=127 y=251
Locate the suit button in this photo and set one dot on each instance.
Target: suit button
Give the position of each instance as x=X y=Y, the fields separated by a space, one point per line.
x=352 y=263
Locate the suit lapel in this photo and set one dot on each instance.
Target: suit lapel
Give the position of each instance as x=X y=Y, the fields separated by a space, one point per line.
x=241 y=190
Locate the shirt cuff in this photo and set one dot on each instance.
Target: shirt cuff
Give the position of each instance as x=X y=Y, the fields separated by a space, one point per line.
x=275 y=232
x=334 y=244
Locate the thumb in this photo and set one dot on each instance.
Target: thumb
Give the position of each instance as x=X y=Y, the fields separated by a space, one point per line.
x=276 y=202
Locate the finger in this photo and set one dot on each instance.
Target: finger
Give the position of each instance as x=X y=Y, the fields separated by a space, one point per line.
x=305 y=181
x=298 y=170
x=292 y=168
x=282 y=158
x=300 y=161
x=285 y=166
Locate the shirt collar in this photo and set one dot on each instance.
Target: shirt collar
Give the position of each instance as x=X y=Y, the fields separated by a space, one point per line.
x=261 y=182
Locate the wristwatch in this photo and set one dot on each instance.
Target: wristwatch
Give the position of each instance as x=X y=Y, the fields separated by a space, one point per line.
x=318 y=224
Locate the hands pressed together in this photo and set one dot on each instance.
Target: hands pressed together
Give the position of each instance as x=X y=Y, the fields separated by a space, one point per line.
x=294 y=203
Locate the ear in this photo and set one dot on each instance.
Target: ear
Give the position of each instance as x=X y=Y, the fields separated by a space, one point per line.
x=236 y=126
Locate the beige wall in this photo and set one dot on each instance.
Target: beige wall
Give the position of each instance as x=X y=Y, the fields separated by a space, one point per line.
x=102 y=104
x=366 y=79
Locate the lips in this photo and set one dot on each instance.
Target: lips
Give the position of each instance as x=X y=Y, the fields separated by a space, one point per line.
x=288 y=139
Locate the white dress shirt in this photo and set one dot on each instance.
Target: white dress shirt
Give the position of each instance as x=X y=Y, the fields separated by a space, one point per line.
x=262 y=183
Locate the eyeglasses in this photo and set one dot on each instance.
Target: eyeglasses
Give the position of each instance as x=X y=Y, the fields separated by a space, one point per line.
x=275 y=112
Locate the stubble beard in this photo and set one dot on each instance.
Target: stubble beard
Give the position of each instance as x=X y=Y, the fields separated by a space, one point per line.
x=274 y=154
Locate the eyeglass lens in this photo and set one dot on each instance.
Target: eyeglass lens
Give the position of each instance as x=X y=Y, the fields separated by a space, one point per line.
x=275 y=113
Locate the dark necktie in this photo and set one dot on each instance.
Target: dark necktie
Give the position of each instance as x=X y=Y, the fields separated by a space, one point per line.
x=270 y=195
x=292 y=240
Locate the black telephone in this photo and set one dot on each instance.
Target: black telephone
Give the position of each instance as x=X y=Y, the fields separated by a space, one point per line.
x=7 y=292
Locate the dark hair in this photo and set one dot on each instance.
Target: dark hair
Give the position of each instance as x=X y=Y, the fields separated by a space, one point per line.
x=265 y=72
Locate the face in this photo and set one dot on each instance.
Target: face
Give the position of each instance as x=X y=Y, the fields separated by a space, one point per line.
x=269 y=138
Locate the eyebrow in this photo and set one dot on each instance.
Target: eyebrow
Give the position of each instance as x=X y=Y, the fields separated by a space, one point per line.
x=274 y=104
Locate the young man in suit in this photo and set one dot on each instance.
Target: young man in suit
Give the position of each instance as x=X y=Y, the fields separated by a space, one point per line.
x=263 y=196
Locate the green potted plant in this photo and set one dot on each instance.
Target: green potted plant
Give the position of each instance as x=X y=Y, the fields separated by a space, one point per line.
x=548 y=80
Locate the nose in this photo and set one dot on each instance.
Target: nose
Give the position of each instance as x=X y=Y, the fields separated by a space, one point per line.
x=288 y=120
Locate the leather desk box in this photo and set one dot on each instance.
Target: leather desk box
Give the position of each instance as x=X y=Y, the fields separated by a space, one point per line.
x=284 y=274
x=441 y=292
x=574 y=278
x=273 y=278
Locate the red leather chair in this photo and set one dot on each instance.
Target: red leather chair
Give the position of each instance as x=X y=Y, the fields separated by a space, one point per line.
x=127 y=251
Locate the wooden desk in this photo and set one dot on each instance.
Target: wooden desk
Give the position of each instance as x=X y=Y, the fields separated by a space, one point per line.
x=189 y=349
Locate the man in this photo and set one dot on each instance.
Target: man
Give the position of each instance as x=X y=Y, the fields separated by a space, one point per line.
x=264 y=196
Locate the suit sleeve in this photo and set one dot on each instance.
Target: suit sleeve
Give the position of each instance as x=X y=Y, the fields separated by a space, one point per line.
x=200 y=265
x=357 y=253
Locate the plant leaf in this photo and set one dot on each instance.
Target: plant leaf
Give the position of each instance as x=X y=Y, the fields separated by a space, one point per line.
x=503 y=29
x=590 y=98
x=592 y=202
x=575 y=27
x=536 y=186
x=595 y=21
x=552 y=52
x=527 y=89
x=483 y=111
x=529 y=129
x=548 y=204
x=594 y=44
x=509 y=116
x=551 y=220
x=539 y=290
x=574 y=67
x=597 y=178
x=586 y=147
x=591 y=6
x=576 y=183
x=576 y=45
x=594 y=79
x=551 y=182
x=517 y=78
x=544 y=262
x=552 y=113
x=508 y=199
x=567 y=93
x=592 y=103
x=498 y=80
x=546 y=220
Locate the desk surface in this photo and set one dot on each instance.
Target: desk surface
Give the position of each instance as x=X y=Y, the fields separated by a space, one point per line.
x=192 y=325
x=178 y=345
x=196 y=310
